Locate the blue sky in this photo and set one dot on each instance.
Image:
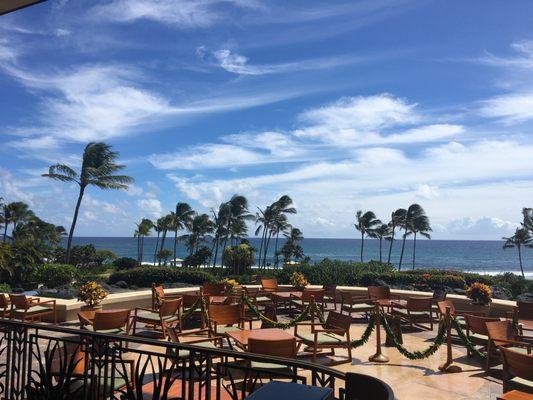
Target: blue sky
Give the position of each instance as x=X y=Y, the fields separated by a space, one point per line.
x=342 y=105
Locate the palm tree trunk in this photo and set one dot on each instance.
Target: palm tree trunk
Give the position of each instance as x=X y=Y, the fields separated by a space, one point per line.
x=414 y=250
x=73 y=225
x=276 y=249
x=520 y=259
x=142 y=251
x=380 y=257
x=5 y=231
x=224 y=250
x=362 y=244
x=401 y=254
x=216 y=252
x=175 y=243
x=156 y=246
x=267 y=243
x=162 y=243
x=390 y=247
x=263 y=241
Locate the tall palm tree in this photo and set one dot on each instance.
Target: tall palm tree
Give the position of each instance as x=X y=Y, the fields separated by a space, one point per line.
x=98 y=169
x=238 y=211
x=3 y=225
x=527 y=221
x=280 y=225
x=201 y=226
x=365 y=223
x=183 y=217
x=521 y=238
x=17 y=213
x=168 y=225
x=159 y=226
x=221 y=219
x=419 y=224
x=292 y=248
x=262 y=218
x=381 y=232
x=397 y=219
x=143 y=230
x=414 y=212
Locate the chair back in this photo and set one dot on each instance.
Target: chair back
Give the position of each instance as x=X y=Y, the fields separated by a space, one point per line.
x=503 y=330
x=70 y=357
x=158 y=293
x=111 y=319
x=478 y=324
x=330 y=290
x=439 y=295
x=188 y=299
x=444 y=304
x=269 y=284
x=525 y=310
x=337 y=320
x=419 y=303
x=360 y=386
x=4 y=302
x=278 y=348
x=271 y=314
x=379 y=292
x=317 y=294
x=169 y=307
x=225 y=314
x=517 y=364
x=214 y=289
x=19 y=301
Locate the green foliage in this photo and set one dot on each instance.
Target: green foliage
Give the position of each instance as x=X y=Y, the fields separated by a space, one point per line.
x=23 y=260
x=103 y=257
x=163 y=255
x=82 y=256
x=5 y=288
x=145 y=276
x=125 y=263
x=239 y=258
x=54 y=275
x=200 y=257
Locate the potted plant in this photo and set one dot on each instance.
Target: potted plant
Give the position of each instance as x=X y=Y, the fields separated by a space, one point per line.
x=298 y=280
x=92 y=294
x=480 y=293
x=229 y=285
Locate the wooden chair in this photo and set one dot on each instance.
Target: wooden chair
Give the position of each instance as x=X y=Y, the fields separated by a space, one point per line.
x=380 y=293
x=271 y=313
x=523 y=316
x=189 y=300
x=438 y=295
x=476 y=330
x=503 y=334
x=223 y=318
x=269 y=285
x=301 y=302
x=362 y=386
x=31 y=309
x=4 y=306
x=214 y=289
x=108 y=321
x=159 y=295
x=456 y=313
x=517 y=370
x=417 y=310
x=168 y=314
x=352 y=303
x=335 y=333
x=257 y=295
x=174 y=336
x=330 y=295
x=286 y=348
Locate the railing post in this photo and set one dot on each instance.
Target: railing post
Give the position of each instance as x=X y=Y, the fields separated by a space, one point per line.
x=448 y=365
x=378 y=357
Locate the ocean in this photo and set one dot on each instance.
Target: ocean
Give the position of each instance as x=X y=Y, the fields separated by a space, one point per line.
x=487 y=257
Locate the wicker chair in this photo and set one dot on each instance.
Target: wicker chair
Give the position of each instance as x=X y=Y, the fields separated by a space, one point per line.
x=503 y=334
x=417 y=310
x=517 y=370
x=108 y=321
x=31 y=309
x=352 y=303
x=335 y=333
x=167 y=315
x=476 y=330
x=159 y=295
x=269 y=285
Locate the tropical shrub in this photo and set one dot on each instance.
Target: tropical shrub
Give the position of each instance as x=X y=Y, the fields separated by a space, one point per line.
x=200 y=257
x=82 y=256
x=479 y=293
x=145 y=276
x=163 y=255
x=239 y=258
x=91 y=294
x=5 y=288
x=125 y=263
x=103 y=257
x=54 y=275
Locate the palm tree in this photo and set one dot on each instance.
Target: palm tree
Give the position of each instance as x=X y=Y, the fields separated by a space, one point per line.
x=220 y=218
x=158 y=228
x=292 y=248
x=201 y=225
x=98 y=169
x=527 y=222
x=381 y=232
x=238 y=211
x=16 y=213
x=521 y=237
x=397 y=218
x=167 y=225
x=183 y=218
x=365 y=223
x=415 y=215
x=3 y=225
x=280 y=225
x=419 y=224
x=143 y=230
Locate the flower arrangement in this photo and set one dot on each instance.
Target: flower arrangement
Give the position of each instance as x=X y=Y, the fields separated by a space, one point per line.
x=298 y=280
x=479 y=293
x=230 y=285
x=92 y=294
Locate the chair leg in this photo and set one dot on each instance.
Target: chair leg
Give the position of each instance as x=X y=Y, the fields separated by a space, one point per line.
x=314 y=352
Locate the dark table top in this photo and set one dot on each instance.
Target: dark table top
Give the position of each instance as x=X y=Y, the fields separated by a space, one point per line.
x=290 y=391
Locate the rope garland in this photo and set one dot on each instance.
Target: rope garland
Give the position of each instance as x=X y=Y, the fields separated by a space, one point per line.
x=282 y=325
x=187 y=314
x=468 y=344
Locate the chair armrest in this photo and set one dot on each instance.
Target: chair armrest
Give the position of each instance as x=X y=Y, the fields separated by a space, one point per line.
x=513 y=342
x=398 y=305
x=201 y=340
x=192 y=332
x=341 y=331
x=33 y=300
x=395 y=296
x=143 y=309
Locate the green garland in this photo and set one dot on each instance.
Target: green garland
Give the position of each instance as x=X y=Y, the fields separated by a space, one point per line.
x=468 y=344
x=282 y=325
x=419 y=354
x=187 y=314
x=365 y=336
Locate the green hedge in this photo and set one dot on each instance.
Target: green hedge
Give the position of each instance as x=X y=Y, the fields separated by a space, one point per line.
x=145 y=276
x=54 y=275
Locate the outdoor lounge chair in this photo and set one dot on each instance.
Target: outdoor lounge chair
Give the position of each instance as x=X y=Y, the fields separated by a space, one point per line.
x=503 y=334
x=286 y=348
x=416 y=311
x=174 y=336
x=168 y=314
x=31 y=309
x=335 y=333
x=108 y=321
x=517 y=370
x=352 y=303
x=159 y=295
x=476 y=330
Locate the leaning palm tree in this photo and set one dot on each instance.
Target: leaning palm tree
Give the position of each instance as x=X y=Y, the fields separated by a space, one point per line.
x=143 y=230
x=98 y=169
x=397 y=219
x=17 y=213
x=521 y=238
x=292 y=248
x=381 y=232
x=183 y=217
x=414 y=212
x=159 y=226
x=238 y=211
x=365 y=223
x=168 y=225
x=419 y=225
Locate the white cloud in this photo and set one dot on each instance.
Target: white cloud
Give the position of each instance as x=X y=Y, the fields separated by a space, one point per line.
x=511 y=108
x=426 y=191
x=151 y=207
x=11 y=188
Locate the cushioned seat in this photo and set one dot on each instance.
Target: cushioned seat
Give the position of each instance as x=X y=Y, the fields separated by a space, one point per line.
x=522 y=350
x=187 y=353
x=479 y=338
x=419 y=314
x=265 y=366
x=297 y=302
x=523 y=384
x=322 y=338
x=262 y=299
x=153 y=316
x=32 y=310
x=360 y=307
x=225 y=329
x=77 y=385
x=117 y=331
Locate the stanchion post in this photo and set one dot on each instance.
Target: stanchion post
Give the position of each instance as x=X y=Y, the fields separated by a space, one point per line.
x=449 y=366
x=378 y=357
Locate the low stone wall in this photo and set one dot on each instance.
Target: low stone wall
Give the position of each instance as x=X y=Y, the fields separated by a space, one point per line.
x=67 y=310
